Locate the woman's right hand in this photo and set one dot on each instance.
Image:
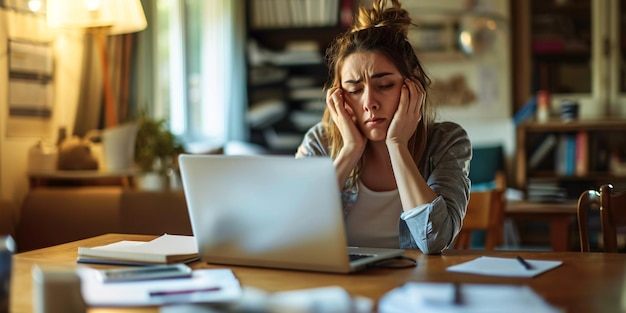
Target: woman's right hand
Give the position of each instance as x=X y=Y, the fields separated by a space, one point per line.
x=353 y=140
x=343 y=117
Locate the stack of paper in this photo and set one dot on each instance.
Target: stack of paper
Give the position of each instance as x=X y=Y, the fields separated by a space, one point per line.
x=442 y=297
x=166 y=249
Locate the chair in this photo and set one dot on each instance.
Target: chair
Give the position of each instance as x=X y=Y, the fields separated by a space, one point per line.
x=485 y=209
x=612 y=208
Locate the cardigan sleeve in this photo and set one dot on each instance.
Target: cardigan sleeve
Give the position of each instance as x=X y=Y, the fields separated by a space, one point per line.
x=434 y=226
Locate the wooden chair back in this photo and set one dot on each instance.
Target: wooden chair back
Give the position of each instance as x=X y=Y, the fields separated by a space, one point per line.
x=612 y=208
x=485 y=211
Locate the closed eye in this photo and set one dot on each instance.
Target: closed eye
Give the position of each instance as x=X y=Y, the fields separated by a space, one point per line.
x=354 y=92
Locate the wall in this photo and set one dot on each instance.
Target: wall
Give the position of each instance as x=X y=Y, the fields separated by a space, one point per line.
x=18 y=135
x=487 y=119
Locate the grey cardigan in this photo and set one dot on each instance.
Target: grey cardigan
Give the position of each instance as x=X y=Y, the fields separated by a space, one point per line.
x=445 y=167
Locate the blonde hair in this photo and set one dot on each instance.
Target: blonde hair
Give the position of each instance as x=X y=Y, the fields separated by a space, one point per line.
x=382 y=29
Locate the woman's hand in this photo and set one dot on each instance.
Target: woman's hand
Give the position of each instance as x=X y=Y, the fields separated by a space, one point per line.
x=408 y=114
x=344 y=118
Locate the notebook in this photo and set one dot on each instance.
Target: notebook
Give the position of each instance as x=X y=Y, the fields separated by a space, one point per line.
x=271 y=211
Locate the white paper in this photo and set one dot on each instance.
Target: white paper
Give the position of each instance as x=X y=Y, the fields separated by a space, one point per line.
x=331 y=299
x=222 y=284
x=165 y=244
x=479 y=298
x=506 y=267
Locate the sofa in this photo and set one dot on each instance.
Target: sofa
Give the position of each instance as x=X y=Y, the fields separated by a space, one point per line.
x=50 y=216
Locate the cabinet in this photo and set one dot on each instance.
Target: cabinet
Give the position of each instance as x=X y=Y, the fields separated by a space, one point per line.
x=575 y=49
x=577 y=156
x=287 y=40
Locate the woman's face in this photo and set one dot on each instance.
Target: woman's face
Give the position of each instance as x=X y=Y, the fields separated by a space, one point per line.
x=371 y=86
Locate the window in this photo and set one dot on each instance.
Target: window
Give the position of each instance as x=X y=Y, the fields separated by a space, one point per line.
x=198 y=70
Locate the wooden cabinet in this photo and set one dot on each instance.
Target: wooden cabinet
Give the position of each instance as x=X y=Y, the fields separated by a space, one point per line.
x=574 y=49
x=577 y=155
x=287 y=40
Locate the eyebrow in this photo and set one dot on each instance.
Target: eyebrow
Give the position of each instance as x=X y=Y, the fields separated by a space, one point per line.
x=358 y=81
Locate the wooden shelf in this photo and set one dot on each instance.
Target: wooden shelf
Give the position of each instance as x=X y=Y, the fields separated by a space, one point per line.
x=604 y=137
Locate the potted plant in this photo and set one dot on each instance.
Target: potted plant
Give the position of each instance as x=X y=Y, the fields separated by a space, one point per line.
x=156 y=151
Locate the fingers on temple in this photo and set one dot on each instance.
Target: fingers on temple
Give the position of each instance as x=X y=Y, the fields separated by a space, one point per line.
x=418 y=93
x=333 y=99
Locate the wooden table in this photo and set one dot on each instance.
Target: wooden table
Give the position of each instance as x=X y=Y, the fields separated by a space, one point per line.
x=586 y=282
x=558 y=215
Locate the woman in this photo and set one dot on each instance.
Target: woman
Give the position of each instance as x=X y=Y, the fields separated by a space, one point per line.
x=403 y=177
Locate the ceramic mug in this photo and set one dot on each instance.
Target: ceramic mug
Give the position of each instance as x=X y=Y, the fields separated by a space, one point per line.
x=569 y=110
x=118 y=147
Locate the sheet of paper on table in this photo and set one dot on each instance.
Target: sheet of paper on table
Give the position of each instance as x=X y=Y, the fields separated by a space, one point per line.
x=506 y=267
x=440 y=298
x=205 y=286
x=330 y=299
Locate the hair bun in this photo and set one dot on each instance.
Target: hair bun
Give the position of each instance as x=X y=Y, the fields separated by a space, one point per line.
x=383 y=14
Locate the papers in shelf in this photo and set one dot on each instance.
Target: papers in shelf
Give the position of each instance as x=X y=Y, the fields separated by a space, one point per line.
x=440 y=297
x=205 y=286
x=506 y=267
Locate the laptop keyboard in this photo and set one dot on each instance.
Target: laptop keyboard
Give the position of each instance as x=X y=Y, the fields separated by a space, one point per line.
x=354 y=257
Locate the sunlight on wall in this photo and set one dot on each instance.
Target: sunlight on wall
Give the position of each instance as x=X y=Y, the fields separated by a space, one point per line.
x=25 y=131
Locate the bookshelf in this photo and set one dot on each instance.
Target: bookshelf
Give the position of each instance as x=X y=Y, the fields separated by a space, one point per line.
x=287 y=40
x=580 y=155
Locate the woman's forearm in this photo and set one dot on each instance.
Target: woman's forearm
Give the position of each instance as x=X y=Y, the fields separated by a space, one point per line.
x=412 y=187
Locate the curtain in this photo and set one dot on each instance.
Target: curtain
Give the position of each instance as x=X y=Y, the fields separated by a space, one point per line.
x=88 y=111
x=192 y=68
x=237 y=91
x=120 y=51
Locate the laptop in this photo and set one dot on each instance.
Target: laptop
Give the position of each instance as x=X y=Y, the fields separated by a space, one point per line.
x=271 y=211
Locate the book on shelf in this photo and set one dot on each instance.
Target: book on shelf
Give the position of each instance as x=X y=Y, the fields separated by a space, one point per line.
x=307 y=93
x=582 y=153
x=566 y=155
x=293 y=13
x=540 y=153
x=166 y=249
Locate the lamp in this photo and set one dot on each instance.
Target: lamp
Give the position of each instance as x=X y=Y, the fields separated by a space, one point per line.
x=100 y=18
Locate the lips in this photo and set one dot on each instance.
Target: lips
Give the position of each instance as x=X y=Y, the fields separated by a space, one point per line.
x=374 y=121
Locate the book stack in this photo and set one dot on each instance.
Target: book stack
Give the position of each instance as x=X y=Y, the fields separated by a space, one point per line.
x=166 y=249
x=293 y=13
x=545 y=191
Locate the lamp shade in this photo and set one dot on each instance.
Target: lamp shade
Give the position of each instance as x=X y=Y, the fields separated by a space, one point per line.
x=123 y=16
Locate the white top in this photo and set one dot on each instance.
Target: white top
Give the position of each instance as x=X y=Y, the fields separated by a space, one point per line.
x=373 y=220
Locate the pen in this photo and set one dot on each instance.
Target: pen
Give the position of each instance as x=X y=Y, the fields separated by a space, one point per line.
x=180 y=292
x=524 y=263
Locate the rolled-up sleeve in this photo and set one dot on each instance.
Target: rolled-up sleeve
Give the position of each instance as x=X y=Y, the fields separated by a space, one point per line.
x=434 y=226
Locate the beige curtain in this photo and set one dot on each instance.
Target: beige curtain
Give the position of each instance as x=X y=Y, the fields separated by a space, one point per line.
x=121 y=50
x=91 y=111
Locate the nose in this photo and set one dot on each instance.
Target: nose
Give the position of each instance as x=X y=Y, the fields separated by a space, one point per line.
x=370 y=103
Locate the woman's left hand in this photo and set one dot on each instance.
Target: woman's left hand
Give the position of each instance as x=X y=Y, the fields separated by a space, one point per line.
x=408 y=114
